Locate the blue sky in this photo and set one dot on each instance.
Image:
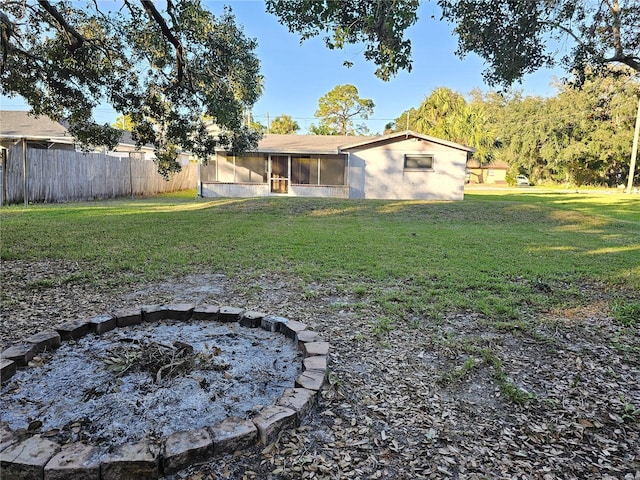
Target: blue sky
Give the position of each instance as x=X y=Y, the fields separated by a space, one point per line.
x=297 y=75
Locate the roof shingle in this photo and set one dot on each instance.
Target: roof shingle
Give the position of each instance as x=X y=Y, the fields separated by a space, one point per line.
x=20 y=124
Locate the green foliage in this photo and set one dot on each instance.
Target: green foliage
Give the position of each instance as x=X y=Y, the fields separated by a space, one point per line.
x=507 y=387
x=123 y=122
x=514 y=38
x=284 y=125
x=167 y=69
x=520 y=36
x=579 y=137
x=382 y=326
x=459 y=373
x=446 y=114
x=258 y=127
x=322 y=130
x=379 y=25
x=338 y=108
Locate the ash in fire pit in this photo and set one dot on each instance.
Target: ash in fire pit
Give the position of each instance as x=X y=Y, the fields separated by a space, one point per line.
x=149 y=381
x=174 y=387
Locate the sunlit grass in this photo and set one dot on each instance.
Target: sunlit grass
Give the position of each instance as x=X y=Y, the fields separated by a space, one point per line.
x=504 y=255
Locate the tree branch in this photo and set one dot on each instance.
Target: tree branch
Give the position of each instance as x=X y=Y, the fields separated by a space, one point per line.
x=181 y=57
x=629 y=60
x=78 y=39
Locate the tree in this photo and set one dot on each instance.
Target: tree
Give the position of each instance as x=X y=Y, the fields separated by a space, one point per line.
x=580 y=136
x=380 y=25
x=520 y=36
x=513 y=37
x=322 y=130
x=284 y=125
x=338 y=108
x=168 y=68
x=123 y=122
x=446 y=114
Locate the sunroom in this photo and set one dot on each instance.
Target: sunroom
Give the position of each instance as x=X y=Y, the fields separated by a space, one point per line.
x=294 y=165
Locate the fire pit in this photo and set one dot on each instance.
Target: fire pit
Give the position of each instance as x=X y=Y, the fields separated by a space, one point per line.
x=148 y=391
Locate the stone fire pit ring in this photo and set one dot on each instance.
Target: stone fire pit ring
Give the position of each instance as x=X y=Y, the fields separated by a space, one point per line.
x=37 y=457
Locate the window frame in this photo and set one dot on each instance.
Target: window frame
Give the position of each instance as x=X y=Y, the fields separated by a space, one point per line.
x=419 y=156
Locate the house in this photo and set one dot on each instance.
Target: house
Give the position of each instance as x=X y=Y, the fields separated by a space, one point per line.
x=40 y=162
x=43 y=133
x=402 y=165
x=494 y=173
x=36 y=132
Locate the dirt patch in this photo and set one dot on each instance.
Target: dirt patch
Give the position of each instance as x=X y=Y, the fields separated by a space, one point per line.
x=385 y=412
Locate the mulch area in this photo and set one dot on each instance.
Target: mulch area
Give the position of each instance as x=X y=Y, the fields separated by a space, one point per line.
x=460 y=397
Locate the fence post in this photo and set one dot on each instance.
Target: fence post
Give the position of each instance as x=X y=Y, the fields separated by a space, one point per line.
x=25 y=183
x=131 y=174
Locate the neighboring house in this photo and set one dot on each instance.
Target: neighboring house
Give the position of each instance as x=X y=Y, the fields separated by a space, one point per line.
x=492 y=173
x=41 y=132
x=403 y=165
x=39 y=161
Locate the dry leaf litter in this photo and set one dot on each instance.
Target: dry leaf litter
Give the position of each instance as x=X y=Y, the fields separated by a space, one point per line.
x=459 y=397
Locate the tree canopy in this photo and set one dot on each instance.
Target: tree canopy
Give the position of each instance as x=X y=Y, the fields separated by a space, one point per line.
x=123 y=122
x=338 y=108
x=577 y=137
x=284 y=125
x=380 y=25
x=580 y=136
x=167 y=68
x=514 y=37
x=446 y=114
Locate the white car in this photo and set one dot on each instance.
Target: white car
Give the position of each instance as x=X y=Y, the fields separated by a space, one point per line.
x=522 y=181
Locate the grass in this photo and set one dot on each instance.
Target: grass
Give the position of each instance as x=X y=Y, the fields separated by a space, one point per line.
x=506 y=255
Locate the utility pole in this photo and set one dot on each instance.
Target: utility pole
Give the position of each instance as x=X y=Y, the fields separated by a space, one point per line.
x=634 y=151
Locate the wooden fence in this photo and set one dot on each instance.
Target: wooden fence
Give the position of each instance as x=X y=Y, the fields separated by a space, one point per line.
x=66 y=175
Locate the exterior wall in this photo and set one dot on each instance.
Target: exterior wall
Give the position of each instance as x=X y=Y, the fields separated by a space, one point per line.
x=234 y=190
x=379 y=172
x=319 y=191
x=375 y=170
x=487 y=175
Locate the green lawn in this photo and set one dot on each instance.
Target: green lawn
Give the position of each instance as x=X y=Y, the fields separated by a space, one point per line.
x=509 y=255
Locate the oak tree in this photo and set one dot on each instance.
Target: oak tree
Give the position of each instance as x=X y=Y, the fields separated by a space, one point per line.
x=514 y=37
x=167 y=67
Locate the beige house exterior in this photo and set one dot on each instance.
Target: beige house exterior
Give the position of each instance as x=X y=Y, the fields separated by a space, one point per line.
x=402 y=165
x=494 y=173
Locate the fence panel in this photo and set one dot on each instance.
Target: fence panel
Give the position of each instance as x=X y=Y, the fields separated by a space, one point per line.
x=65 y=175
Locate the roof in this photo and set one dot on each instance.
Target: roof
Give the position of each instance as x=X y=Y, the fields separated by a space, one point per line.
x=20 y=124
x=332 y=144
x=318 y=144
x=495 y=165
x=370 y=141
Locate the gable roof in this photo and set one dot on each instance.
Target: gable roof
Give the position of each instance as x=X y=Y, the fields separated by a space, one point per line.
x=306 y=144
x=333 y=144
x=368 y=142
x=16 y=124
